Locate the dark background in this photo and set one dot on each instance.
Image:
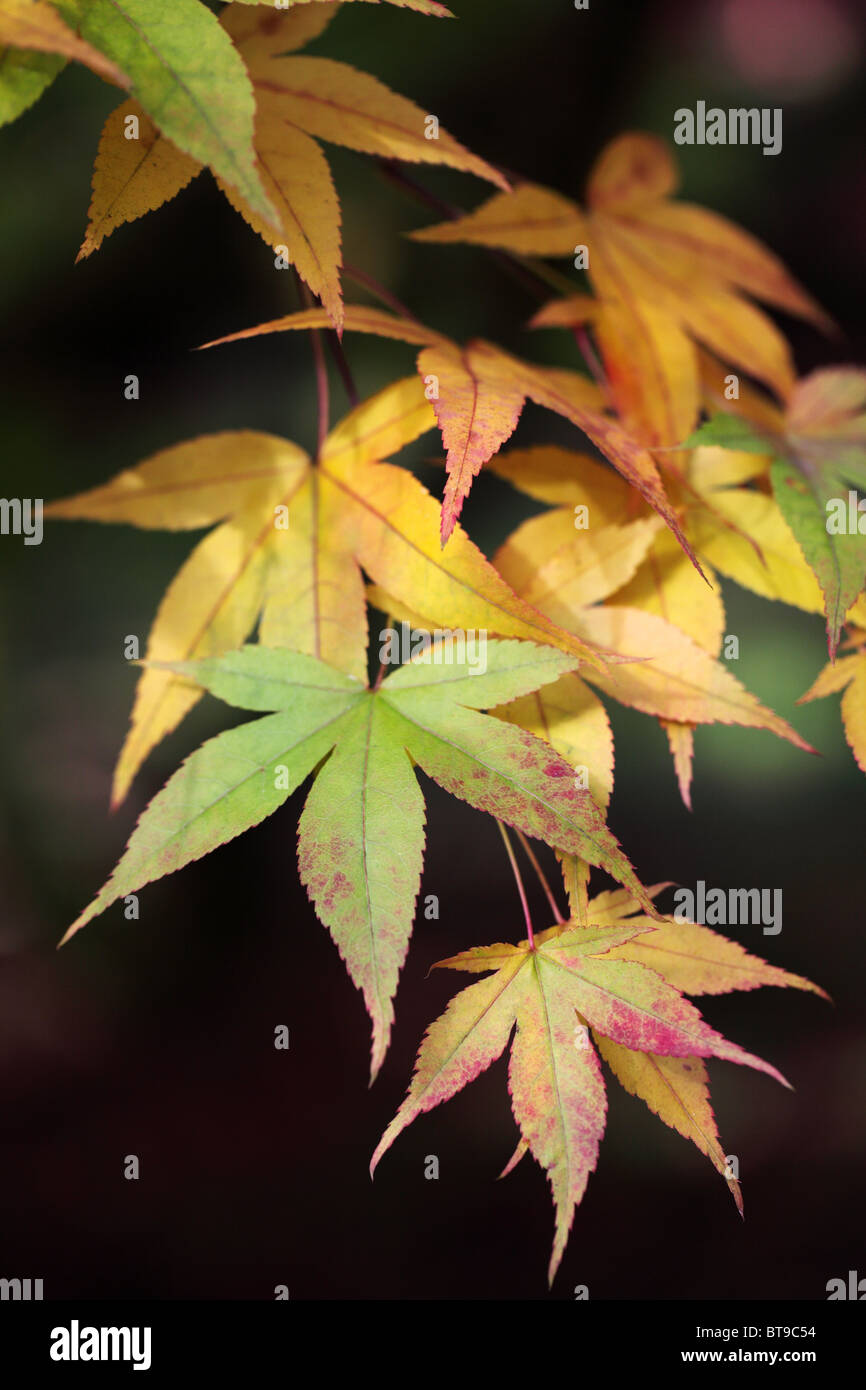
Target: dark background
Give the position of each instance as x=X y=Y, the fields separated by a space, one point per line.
x=156 y=1037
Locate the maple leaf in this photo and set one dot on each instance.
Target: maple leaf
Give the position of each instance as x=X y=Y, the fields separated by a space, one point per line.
x=670 y=676
x=553 y=991
x=681 y=741
x=606 y=585
x=818 y=455
x=738 y=527
x=566 y=714
x=289 y=541
x=691 y=957
x=666 y=274
x=677 y=1090
x=586 y=497
x=695 y=960
x=296 y=99
x=35 y=45
x=361 y=834
x=565 y=573
x=478 y=393
x=187 y=76
x=848 y=674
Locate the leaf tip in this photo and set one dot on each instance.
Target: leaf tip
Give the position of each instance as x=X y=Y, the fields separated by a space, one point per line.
x=522 y=1148
x=378 y=1154
x=119 y=789
x=446 y=526
x=381 y=1037
x=553 y=1267
x=69 y=933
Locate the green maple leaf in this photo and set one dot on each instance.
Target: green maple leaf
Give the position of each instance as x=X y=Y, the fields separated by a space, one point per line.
x=361 y=834
x=729 y=432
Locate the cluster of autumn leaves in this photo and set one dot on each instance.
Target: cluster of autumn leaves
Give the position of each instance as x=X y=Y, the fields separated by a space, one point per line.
x=613 y=588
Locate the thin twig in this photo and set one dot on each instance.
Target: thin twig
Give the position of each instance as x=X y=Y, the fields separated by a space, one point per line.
x=362 y=278
x=587 y=352
x=542 y=275
x=515 y=265
x=342 y=365
x=321 y=390
x=545 y=274
x=321 y=370
x=396 y=175
x=519 y=881
x=534 y=274
x=540 y=874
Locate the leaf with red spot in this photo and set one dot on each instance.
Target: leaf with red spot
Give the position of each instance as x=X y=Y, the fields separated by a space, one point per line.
x=553 y=991
x=361 y=834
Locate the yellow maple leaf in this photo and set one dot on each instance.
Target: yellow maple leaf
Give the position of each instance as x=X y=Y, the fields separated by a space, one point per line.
x=478 y=392
x=667 y=275
x=138 y=169
x=290 y=537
